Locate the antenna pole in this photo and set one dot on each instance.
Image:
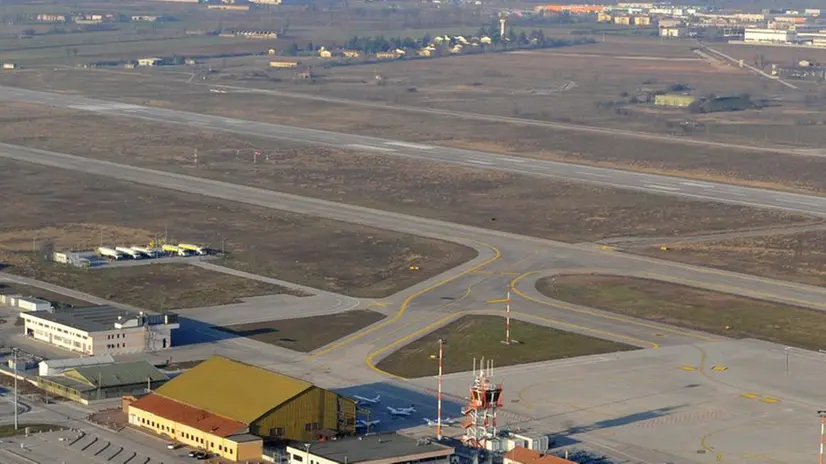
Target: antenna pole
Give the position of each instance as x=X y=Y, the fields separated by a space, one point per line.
x=439 y=394
x=508 y=320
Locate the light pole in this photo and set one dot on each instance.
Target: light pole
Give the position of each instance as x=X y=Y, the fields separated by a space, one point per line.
x=307 y=451
x=14 y=351
x=822 y=415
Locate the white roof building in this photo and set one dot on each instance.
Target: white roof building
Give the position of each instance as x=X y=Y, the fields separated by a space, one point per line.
x=58 y=366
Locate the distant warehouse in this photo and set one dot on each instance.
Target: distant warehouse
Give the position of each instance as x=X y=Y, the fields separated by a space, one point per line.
x=101 y=330
x=229 y=407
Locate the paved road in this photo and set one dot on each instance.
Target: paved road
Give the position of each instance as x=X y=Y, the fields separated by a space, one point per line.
x=538 y=168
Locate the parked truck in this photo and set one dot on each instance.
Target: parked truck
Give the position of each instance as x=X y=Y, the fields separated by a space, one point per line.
x=194 y=248
x=128 y=252
x=110 y=253
x=174 y=250
x=149 y=252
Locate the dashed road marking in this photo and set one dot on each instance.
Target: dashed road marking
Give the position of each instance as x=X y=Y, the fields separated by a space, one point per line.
x=719 y=368
x=486 y=163
x=750 y=396
x=688 y=368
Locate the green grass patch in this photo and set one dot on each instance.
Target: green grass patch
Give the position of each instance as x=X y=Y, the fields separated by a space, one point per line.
x=692 y=308
x=476 y=337
x=307 y=333
x=7 y=430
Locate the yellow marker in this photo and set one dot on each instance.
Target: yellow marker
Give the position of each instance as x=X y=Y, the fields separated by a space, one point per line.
x=770 y=400
x=498 y=300
x=606 y=247
x=663 y=248
x=380 y=304
x=719 y=368
x=750 y=396
x=688 y=368
x=660 y=335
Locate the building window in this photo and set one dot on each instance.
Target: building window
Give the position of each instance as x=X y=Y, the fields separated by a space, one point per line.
x=311 y=426
x=298 y=458
x=277 y=432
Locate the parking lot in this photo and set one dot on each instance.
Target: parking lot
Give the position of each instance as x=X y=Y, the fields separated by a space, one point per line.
x=78 y=447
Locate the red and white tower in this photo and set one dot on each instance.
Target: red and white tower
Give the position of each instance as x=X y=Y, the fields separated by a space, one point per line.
x=480 y=412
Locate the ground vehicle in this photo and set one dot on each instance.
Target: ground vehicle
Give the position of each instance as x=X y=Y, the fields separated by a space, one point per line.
x=200 y=455
x=110 y=253
x=174 y=250
x=193 y=453
x=172 y=446
x=194 y=248
x=129 y=252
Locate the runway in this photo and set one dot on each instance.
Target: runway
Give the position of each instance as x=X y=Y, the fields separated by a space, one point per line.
x=651 y=183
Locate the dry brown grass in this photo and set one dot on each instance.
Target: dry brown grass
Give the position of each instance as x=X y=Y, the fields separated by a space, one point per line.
x=797 y=257
x=756 y=169
x=325 y=254
x=693 y=308
x=479 y=197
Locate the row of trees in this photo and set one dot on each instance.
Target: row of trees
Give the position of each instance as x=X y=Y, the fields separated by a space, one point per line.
x=370 y=45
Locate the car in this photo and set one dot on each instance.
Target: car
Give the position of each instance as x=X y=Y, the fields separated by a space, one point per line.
x=193 y=453
x=172 y=446
x=202 y=456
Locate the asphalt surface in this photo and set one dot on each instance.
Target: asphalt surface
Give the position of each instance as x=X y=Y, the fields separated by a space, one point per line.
x=651 y=183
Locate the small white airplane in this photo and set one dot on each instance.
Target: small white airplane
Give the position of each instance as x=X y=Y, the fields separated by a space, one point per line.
x=401 y=411
x=445 y=421
x=363 y=424
x=364 y=399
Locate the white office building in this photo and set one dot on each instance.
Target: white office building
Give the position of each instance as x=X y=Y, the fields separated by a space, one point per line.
x=769 y=36
x=100 y=330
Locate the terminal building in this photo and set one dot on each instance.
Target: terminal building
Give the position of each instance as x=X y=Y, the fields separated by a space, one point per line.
x=229 y=408
x=99 y=330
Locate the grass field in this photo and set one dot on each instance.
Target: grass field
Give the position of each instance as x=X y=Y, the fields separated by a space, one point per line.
x=472 y=337
x=9 y=431
x=155 y=287
x=709 y=163
x=799 y=257
x=692 y=308
x=482 y=198
x=309 y=333
x=76 y=210
x=55 y=298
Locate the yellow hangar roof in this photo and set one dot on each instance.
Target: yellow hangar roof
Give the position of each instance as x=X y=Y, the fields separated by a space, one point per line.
x=232 y=389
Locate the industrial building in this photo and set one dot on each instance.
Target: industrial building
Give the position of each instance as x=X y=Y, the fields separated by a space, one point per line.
x=389 y=448
x=266 y=404
x=50 y=367
x=101 y=330
x=194 y=427
x=24 y=303
x=769 y=36
x=103 y=381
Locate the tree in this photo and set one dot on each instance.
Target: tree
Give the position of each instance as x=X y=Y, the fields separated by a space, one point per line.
x=292 y=49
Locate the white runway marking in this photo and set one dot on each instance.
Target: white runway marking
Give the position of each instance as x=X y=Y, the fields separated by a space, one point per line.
x=479 y=162
x=694 y=184
x=513 y=160
x=661 y=187
x=359 y=146
x=409 y=145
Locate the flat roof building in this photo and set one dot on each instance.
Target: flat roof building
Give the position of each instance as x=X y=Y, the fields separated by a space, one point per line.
x=386 y=448
x=104 y=381
x=98 y=330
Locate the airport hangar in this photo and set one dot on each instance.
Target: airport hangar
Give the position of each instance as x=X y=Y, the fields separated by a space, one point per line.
x=229 y=408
